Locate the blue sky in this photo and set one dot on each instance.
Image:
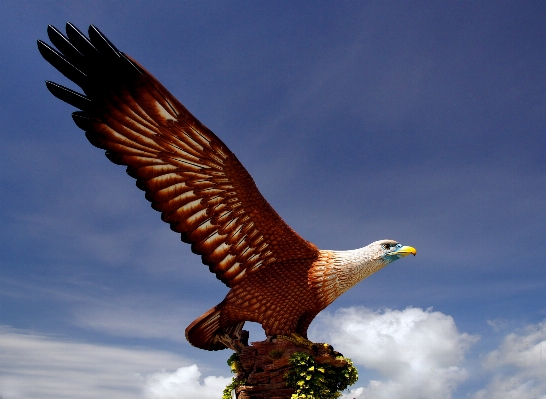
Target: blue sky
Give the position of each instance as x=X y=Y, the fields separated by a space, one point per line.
x=422 y=121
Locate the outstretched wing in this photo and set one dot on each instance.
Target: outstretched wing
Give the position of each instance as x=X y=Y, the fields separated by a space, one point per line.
x=188 y=174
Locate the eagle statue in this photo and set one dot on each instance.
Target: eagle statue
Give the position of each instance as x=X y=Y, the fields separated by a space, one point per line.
x=276 y=278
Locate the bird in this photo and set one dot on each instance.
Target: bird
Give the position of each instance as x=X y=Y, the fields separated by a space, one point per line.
x=276 y=278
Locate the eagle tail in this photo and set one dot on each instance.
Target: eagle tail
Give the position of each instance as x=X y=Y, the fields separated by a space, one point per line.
x=205 y=331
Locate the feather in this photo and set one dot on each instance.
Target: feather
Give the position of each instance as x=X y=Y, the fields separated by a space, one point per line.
x=70 y=96
x=58 y=61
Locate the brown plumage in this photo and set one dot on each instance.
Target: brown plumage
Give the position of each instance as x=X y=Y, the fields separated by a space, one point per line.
x=276 y=277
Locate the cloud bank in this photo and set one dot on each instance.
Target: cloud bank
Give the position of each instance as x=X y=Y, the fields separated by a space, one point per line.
x=44 y=367
x=419 y=353
x=184 y=384
x=411 y=353
x=137 y=316
x=518 y=366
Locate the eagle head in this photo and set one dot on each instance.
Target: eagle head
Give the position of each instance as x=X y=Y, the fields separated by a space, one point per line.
x=390 y=250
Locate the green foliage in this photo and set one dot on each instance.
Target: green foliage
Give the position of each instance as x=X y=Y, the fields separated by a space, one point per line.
x=234 y=384
x=234 y=363
x=318 y=381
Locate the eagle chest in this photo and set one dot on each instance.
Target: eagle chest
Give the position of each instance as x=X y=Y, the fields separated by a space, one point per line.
x=279 y=288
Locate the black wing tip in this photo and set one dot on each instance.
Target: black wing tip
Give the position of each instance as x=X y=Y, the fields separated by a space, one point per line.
x=83 y=120
x=101 y=42
x=69 y=96
x=71 y=28
x=43 y=46
x=94 y=30
x=62 y=64
x=51 y=29
x=53 y=33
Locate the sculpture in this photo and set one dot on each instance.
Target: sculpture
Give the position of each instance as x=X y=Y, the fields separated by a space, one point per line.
x=277 y=278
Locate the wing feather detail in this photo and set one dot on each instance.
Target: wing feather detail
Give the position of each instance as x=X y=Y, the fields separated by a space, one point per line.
x=187 y=173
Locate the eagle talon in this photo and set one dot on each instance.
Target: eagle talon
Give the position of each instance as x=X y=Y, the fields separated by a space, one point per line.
x=236 y=343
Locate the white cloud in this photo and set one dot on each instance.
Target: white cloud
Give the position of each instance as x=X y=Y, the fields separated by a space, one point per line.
x=38 y=366
x=127 y=233
x=518 y=366
x=497 y=324
x=418 y=352
x=184 y=384
x=143 y=317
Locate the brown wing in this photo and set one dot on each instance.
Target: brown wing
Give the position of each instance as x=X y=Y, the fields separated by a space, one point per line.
x=188 y=174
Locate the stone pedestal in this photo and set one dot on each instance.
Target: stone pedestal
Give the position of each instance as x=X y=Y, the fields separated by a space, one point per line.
x=265 y=364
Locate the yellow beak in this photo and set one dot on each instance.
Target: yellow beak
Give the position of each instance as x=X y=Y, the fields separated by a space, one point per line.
x=405 y=251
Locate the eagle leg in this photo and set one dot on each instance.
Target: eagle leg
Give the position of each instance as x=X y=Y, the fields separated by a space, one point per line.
x=237 y=343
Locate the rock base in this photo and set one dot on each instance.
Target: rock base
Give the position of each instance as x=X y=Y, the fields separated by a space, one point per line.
x=265 y=363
